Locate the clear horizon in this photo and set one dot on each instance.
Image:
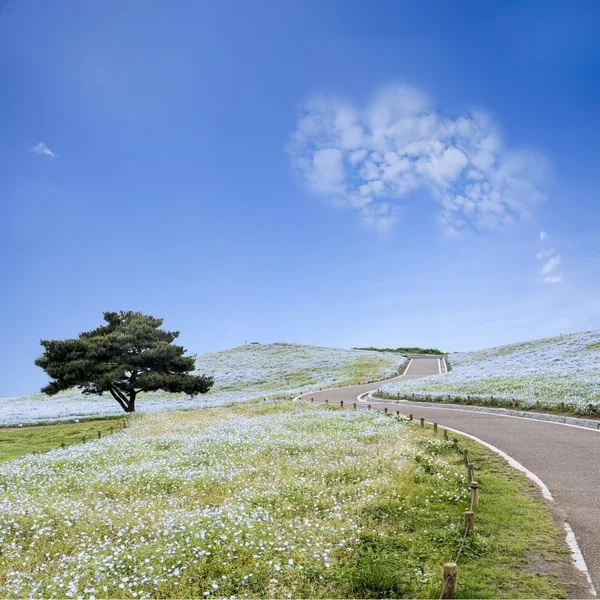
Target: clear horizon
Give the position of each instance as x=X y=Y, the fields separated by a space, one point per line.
x=337 y=173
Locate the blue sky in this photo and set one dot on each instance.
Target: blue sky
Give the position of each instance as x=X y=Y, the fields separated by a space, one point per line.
x=340 y=173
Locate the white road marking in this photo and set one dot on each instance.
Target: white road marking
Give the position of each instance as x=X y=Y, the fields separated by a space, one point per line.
x=578 y=559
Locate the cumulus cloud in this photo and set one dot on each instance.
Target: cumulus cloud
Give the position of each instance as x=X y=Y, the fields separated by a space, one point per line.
x=371 y=159
x=41 y=148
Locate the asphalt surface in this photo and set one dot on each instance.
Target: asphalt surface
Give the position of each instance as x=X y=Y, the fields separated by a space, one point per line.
x=566 y=459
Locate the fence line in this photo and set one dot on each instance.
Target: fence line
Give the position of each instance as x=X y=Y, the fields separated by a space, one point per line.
x=450 y=569
x=63 y=445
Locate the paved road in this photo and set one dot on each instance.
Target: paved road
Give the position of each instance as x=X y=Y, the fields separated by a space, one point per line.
x=566 y=459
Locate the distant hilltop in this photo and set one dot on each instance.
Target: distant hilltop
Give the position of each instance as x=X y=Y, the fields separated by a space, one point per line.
x=414 y=350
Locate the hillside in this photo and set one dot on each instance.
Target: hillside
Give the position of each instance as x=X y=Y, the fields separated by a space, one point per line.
x=242 y=373
x=564 y=369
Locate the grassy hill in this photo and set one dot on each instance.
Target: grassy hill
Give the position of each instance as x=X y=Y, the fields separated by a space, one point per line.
x=537 y=374
x=243 y=373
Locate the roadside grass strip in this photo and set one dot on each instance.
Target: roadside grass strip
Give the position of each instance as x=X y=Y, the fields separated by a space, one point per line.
x=271 y=499
x=560 y=375
x=241 y=374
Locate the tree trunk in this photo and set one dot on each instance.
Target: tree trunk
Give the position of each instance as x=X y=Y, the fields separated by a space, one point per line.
x=131 y=404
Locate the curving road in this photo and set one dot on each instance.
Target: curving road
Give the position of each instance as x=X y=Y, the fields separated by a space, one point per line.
x=565 y=458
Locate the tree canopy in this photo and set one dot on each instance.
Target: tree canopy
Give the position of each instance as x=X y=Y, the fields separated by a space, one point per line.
x=128 y=355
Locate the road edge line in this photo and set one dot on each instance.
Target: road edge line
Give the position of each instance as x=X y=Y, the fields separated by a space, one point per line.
x=577 y=557
x=571 y=540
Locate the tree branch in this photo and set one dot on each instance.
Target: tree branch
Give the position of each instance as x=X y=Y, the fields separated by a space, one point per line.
x=118 y=398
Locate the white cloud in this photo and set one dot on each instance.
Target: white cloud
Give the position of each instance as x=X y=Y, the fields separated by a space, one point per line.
x=552 y=279
x=550 y=265
x=41 y=148
x=400 y=143
x=544 y=254
x=547 y=270
x=543 y=235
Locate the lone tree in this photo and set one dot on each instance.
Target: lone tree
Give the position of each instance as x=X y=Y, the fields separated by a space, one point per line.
x=130 y=354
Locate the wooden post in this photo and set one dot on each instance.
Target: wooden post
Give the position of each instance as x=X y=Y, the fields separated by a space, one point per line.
x=468 y=399
x=326 y=400
x=369 y=406
x=422 y=422
x=466 y=457
x=474 y=494
x=450 y=577
x=342 y=403
x=410 y=417
x=83 y=439
x=355 y=405
x=513 y=403
x=446 y=434
x=385 y=410
x=470 y=521
x=435 y=429
x=111 y=430
x=562 y=407
x=312 y=399
x=471 y=471
x=537 y=404
x=397 y=412
x=99 y=434
x=62 y=445
x=413 y=397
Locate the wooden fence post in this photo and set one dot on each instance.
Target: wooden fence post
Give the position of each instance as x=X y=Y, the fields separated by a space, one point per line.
x=83 y=439
x=474 y=494
x=435 y=429
x=450 y=577
x=471 y=471
x=410 y=417
x=470 y=521
x=422 y=422
x=385 y=410
x=355 y=405
x=63 y=445
x=466 y=457
x=99 y=434
x=369 y=406
x=446 y=434
x=342 y=403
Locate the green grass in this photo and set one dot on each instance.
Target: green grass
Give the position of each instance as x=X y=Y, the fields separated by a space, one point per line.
x=19 y=441
x=313 y=501
x=517 y=551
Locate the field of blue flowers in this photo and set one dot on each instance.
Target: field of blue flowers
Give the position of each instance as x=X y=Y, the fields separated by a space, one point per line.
x=243 y=373
x=541 y=374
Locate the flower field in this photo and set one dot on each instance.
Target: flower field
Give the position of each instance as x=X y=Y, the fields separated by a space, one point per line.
x=188 y=504
x=542 y=374
x=242 y=373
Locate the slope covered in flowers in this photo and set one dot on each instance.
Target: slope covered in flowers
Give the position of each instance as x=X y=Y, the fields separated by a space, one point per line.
x=548 y=371
x=187 y=504
x=242 y=373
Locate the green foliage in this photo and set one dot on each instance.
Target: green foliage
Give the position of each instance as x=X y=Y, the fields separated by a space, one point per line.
x=129 y=355
x=406 y=350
